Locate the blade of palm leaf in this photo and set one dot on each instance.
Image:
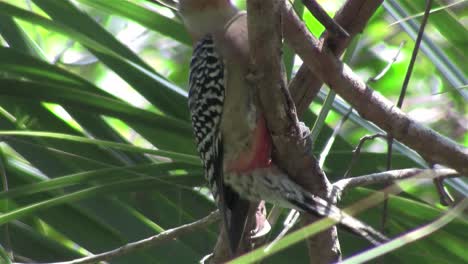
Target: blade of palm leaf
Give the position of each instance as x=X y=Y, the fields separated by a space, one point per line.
x=161 y=93
x=449 y=70
x=149 y=19
x=86 y=101
x=157 y=171
x=34 y=69
x=191 y=159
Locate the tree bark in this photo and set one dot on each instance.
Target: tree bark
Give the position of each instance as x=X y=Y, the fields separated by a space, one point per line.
x=291 y=143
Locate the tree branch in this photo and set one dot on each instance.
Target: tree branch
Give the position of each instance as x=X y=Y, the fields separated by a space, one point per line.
x=292 y=150
x=321 y=15
x=165 y=236
x=370 y=104
x=357 y=151
x=390 y=176
x=292 y=145
x=353 y=17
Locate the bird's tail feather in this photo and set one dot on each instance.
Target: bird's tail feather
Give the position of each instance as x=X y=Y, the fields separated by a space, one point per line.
x=273 y=185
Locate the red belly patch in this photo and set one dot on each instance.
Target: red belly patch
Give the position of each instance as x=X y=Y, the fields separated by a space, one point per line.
x=259 y=155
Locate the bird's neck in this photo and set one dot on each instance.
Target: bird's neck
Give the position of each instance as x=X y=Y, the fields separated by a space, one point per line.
x=208 y=21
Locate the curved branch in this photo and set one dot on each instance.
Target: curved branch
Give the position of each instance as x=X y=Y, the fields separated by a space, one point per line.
x=391 y=176
x=165 y=236
x=353 y=17
x=370 y=104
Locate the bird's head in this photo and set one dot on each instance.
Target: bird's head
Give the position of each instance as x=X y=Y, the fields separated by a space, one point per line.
x=203 y=17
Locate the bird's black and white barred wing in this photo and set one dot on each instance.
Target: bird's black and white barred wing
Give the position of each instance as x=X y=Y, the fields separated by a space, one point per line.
x=206 y=96
x=206 y=99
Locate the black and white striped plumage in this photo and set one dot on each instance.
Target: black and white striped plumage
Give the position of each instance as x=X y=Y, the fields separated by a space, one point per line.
x=206 y=96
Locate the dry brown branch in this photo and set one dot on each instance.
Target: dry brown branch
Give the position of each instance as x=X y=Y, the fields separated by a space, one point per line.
x=370 y=104
x=321 y=15
x=444 y=196
x=387 y=67
x=388 y=177
x=357 y=151
x=353 y=17
x=165 y=236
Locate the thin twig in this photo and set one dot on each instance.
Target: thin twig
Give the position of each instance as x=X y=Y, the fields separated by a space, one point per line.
x=401 y=98
x=357 y=151
x=394 y=175
x=415 y=53
x=321 y=15
x=382 y=73
x=437 y=9
x=290 y=221
x=331 y=140
x=456 y=88
x=445 y=197
x=383 y=223
x=165 y=236
x=404 y=87
x=388 y=66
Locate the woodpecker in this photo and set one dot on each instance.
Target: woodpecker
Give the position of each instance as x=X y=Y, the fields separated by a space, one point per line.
x=231 y=133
